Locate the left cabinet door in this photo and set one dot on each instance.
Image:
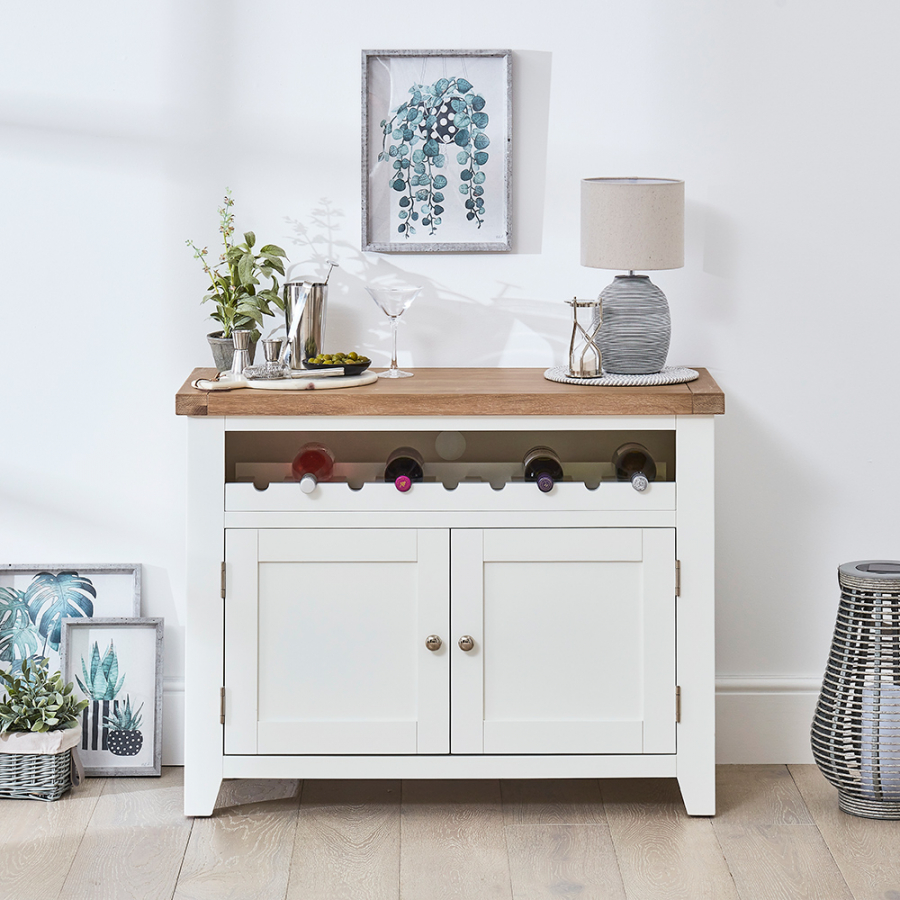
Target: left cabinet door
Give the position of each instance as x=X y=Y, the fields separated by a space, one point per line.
x=325 y=633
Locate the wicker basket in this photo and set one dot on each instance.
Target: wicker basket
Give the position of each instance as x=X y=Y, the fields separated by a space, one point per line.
x=33 y=776
x=856 y=727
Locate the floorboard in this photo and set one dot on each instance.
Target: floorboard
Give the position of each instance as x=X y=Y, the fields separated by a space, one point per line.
x=779 y=834
x=867 y=851
x=135 y=832
x=663 y=852
x=452 y=842
x=770 y=841
x=39 y=841
x=558 y=841
x=242 y=851
x=347 y=844
x=566 y=801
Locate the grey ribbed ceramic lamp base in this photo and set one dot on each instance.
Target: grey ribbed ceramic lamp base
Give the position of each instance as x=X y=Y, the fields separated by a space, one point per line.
x=634 y=336
x=856 y=726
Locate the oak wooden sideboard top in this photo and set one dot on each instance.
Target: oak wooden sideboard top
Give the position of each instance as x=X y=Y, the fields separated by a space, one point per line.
x=458 y=392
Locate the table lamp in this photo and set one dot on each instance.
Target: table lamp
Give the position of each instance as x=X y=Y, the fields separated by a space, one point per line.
x=633 y=224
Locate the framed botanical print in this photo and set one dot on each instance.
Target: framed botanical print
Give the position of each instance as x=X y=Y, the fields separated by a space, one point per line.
x=34 y=600
x=436 y=142
x=116 y=665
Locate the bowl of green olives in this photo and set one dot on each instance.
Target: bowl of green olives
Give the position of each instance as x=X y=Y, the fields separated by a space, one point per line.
x=351 y=363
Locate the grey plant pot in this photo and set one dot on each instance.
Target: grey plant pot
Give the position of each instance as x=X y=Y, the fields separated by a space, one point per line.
x=223 y=350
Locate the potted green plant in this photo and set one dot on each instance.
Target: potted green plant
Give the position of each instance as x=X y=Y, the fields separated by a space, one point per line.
x=38 y=729
x=125 y=738
x=240 y=302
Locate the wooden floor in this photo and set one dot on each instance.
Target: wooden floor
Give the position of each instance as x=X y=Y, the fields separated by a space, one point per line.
x=778 y=833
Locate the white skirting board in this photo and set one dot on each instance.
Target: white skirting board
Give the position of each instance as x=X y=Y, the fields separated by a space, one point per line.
x=173 y=721
x=765 y=720
x=758 y=720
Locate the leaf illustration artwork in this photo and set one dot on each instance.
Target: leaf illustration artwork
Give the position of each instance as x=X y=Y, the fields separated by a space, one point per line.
x=444 y=119
x=51 y=598
x=18 y=636
x=103 y=682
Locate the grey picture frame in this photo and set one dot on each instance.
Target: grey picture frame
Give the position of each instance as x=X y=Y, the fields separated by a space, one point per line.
x=116 y=592
x=379 y=225
x=101 y=628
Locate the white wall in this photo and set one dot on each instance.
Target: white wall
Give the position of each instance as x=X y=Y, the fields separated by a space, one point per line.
x=122 y=123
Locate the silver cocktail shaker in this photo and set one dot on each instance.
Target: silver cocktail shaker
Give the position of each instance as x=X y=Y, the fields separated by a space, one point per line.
x=306 y=299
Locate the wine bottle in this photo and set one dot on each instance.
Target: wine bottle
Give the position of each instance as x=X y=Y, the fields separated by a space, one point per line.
x=313 y=463
x=634 y=463
x=543 y=466
x=404 y=466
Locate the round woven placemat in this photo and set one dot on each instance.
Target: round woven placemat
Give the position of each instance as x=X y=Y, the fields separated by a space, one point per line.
x=668 y=375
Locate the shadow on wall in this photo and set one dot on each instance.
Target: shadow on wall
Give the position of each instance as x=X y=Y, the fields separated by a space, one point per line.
x=525 y=331
x=531 y=129
x=770 y=578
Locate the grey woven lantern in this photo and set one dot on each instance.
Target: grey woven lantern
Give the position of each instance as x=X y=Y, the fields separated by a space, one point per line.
x=856 y=726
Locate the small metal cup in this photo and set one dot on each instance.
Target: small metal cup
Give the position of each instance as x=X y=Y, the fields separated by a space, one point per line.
x=272 y=349
x=241 y=339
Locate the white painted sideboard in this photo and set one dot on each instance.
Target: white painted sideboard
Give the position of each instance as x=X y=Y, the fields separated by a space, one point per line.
x=473 y=627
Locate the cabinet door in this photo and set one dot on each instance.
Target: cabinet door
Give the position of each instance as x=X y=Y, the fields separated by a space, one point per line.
x=325 y=641
x=574 y=640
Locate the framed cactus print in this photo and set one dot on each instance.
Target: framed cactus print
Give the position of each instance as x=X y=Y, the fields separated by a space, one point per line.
x=116 y=665
x=436 y=147
x=35 y=599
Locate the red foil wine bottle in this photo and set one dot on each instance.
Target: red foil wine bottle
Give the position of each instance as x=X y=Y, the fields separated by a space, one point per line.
x=634 y=463
x=404 y=466
x=313 y=463
x=542 y=465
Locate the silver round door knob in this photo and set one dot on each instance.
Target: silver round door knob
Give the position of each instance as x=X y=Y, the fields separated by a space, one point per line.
x=433 y=642
x=466 y=642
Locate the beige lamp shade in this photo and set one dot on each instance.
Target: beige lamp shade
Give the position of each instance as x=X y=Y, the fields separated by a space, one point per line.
x=634 y=224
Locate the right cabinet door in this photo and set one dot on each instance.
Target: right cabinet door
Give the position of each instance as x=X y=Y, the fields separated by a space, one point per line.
x=572 y=640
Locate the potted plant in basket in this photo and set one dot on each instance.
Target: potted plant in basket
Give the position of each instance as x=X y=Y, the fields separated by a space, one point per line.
x=38 y=730
x=235 y=290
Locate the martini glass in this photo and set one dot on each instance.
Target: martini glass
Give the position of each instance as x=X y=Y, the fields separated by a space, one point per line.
x=393 y=303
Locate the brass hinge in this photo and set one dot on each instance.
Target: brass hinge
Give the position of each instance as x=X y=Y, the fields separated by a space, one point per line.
x=677 y=703
x=223 y=581
x=677 y=578
x=222 y=706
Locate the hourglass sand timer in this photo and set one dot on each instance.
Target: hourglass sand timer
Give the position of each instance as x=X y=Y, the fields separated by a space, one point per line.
x=584 y=355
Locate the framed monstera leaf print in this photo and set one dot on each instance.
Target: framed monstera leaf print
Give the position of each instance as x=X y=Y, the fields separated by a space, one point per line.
x=34 y=600
x=436 y=143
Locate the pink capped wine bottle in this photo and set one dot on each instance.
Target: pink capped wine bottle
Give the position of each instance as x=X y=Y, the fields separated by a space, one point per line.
x=404 y=466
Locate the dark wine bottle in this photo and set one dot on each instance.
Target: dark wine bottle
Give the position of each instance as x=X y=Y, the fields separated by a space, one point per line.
x=543 y=466
x=404 y=466
x=634 y=463
x=313 y=463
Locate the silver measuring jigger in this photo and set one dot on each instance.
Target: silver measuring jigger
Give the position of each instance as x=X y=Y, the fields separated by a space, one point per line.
x=241 y=339
x=272 y=349
x=307 y=299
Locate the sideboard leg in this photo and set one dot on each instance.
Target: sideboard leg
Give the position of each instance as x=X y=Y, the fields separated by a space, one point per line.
x=698 y=791
x=201 y=789
x=205 y=618
x=695 y=606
